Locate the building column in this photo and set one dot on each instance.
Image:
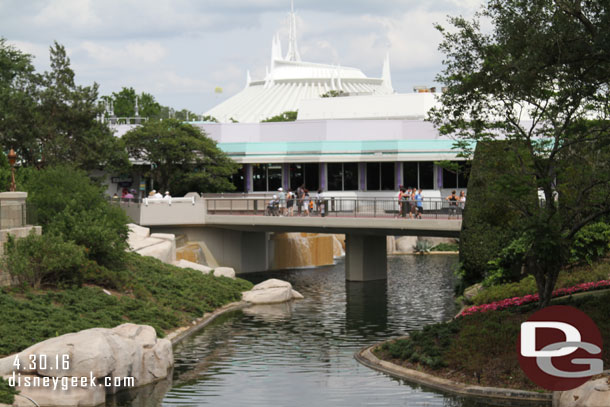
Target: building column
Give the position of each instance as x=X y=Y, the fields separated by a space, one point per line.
x=361 y=176
x=438 y=182
x=399 y=173
x=286 y=176
x=248 y=176
x=322 y=174
x=365 y=257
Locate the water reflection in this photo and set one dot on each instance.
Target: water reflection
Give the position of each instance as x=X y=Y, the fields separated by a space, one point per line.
x=366 y=307
x=302 y=354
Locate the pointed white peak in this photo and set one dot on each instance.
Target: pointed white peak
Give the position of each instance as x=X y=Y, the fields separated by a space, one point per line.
x=385 y=73
x=339 y=85
x=293 y=52
x=248 y=78
x=278 y=46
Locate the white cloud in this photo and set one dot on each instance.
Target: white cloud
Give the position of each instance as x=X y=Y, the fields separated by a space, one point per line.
x=131 y=54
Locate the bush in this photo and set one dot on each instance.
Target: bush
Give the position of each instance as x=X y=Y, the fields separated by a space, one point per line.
x=7 y=393
x=528 y=284
x=506 y=267
x=46 y=259
x=70 y=205
x=590 y=243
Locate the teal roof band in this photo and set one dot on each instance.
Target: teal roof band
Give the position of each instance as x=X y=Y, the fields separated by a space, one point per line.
x=338 y=147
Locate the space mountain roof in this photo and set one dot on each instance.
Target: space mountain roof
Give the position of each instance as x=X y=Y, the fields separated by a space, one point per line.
x=289 y=81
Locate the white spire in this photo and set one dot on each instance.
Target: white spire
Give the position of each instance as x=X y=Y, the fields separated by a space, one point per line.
x=293 y=52
x=385 y=73
x=248 y=78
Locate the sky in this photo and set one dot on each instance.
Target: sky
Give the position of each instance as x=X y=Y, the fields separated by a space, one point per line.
x=181 y=50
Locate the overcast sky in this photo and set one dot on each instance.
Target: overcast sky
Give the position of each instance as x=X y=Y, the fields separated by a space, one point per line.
x=180 y=50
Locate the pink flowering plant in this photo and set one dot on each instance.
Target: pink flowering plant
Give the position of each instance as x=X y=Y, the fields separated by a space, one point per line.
x=517 y=301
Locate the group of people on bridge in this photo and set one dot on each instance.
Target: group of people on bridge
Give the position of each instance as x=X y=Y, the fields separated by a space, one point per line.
x=285 y=202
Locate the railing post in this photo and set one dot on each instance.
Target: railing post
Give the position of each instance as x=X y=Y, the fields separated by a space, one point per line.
x=375 y=208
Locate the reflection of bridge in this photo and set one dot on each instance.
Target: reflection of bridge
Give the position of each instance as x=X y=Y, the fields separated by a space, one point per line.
x=235 y=230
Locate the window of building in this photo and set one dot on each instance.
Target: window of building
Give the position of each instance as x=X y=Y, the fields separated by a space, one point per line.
x=335 y=176
x=308 y=174
x=410 y=174
x=266 y=177
x=456 y=179
x=259 y=177
x=418 y=174
x=387 y=176
x=350 y=176
x=449 y=178
x=426 y=175
x=274 y=176
x=372 y=176
x=312 y=176
x=239 y=179
x=342 y=176
x=380 y=176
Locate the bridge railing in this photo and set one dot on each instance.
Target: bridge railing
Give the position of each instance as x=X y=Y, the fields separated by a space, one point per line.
x=430 y=208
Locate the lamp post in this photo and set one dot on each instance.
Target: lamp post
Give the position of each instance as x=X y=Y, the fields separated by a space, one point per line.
x=12 y=157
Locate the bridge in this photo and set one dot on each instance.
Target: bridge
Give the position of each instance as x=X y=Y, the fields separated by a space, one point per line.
x=236 y=229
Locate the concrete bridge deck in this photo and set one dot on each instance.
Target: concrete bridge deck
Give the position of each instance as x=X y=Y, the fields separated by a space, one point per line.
x=239 y=228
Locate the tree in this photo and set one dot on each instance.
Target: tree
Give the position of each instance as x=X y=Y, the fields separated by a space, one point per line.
x=70 y=205
x=333 y=94
x=182 y=157
x=124 y=103
x=539 y=79
x=288 y=116
x=19 y=86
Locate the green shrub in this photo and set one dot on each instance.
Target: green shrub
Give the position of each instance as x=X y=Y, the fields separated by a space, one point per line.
x=70 y=205
x=7 y=393
x=506 y=267
x=528 y=284
x=46 y=259
x=446 y=247
x=590 y=243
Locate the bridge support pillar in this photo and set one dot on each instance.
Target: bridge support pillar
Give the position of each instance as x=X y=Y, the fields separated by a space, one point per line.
x=365 y=258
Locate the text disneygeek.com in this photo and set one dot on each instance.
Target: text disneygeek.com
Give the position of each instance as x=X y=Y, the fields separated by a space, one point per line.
x=64 y=383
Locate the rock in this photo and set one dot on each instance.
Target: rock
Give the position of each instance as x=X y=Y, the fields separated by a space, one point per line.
x=271 y=283
x=144 y=335
x=594 y=393
x=128 y=350
x=138 y=230
x=224 y=272
x=157 y=361
x=71 y=396
x=472 y=291
x=185 y=264
x=405 y=244
x=271 y=291
x=163 y=251
x=268 y=296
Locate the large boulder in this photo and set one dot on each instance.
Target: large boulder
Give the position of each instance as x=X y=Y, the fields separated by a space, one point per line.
x=272 y=291
x=127 y=351
x=594 y=393
x=185 y=264
x=405 y=244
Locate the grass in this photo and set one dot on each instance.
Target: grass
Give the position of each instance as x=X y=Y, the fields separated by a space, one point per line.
x=153 y=293
x=481 y=348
